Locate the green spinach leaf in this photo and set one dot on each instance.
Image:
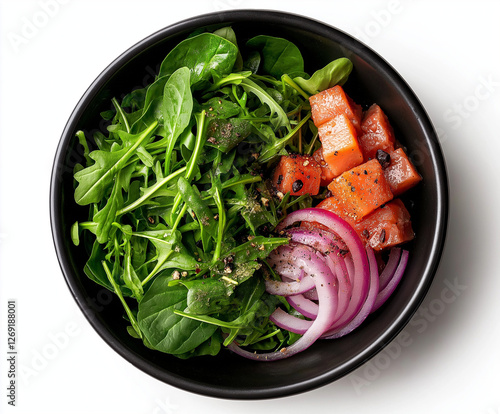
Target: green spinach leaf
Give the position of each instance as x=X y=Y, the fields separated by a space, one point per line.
x=335 y=73
x=166 y=331
x=202 y=54
x=279 y=56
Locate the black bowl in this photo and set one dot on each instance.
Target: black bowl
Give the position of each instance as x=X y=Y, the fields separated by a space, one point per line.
x=227 y=375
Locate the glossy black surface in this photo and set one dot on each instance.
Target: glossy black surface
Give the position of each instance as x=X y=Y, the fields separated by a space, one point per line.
x=229 y=376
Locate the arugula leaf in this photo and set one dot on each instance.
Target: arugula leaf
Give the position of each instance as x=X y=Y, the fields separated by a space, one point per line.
x=130 y=277
x=118 y=292
x=211 y=346
x=281 y=118
x=273 y=148
x=93 y=267
x=258 y=247
x=169 y=250
x=191 y=196
x=94 y=180
x=105 y=217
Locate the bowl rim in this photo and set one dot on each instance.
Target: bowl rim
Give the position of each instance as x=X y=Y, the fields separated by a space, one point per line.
x=356 y=46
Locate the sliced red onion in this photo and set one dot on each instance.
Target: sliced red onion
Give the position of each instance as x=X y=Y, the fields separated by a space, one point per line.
x=345 y=288
x=311 y=294
x=284 y=260
x=349 y=266
x=361 y=278
x=324 y=281
x=303 y=305
x=325 y=242
x=313 y=267
x=390 y=267
x=289 y=322
x=275 y=287
x=366 y=309
x=393 y=283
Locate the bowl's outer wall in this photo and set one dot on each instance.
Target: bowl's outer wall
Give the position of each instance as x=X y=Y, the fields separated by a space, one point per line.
x=226 y=375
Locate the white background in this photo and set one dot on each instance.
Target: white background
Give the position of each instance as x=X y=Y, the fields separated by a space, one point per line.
x=446 y=361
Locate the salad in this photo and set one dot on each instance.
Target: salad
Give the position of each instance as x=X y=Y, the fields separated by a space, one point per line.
x=238 y=202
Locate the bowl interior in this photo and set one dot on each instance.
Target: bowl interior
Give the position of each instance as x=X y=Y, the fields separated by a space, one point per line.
x=229 y=376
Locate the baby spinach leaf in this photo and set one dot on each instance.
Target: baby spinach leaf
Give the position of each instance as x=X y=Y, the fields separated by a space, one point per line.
x=176 y=108
x=202 y=54
x=279 y=56
x=166 y=331
x=152 y=102
x=225 y=134
x=249 y=293
x=211 y=346
x=229 y=34
x=252 y=62
x=206 y=296
x=335 y=73
x=220 y=108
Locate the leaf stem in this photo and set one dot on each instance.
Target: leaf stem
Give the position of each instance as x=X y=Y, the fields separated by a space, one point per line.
x=311 y=145
x=288 y=80
x=147 y=194
x=179 y=216
x=222 y=224
x=200 y=119
x=210 y=320
x=118 y=292
x=268 y=153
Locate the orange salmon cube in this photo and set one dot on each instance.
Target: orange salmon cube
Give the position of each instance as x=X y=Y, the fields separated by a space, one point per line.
x=332 y=102
x=387 y=226
x=339 y=144
x=326 y=174
x=377 y=133
x=297 y=174
x=401 y=173
x=361 y=190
